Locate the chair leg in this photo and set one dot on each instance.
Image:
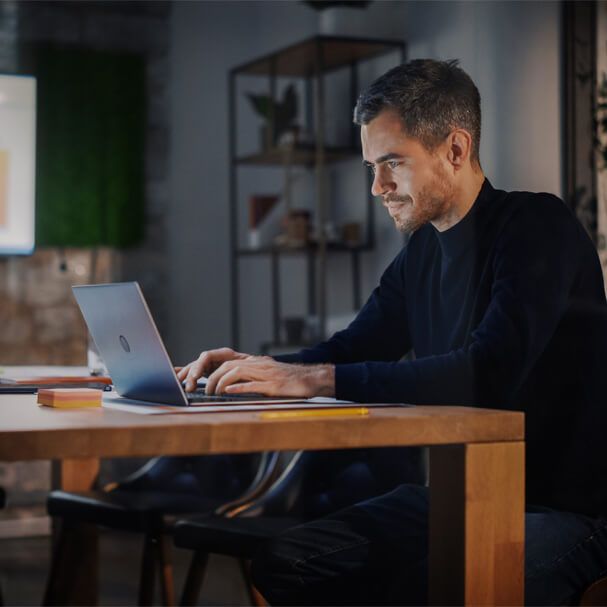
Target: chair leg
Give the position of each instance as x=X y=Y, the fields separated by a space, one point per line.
x=147 y=577
x=165 y=570
x=56 y=577
x=193 y=582
x=254 y=595
x=73 y=576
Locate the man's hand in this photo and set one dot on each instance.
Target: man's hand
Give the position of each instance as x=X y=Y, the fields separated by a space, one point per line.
x=264 y=375
x=205 y=364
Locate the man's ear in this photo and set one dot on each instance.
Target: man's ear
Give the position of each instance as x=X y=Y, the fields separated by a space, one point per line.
x=459 y=149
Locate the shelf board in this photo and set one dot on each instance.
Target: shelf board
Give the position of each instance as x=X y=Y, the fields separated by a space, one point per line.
x=309 y=248
x=305 y=156
x=299 y=59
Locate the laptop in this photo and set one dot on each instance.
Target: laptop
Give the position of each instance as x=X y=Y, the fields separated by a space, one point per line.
x=119 y=320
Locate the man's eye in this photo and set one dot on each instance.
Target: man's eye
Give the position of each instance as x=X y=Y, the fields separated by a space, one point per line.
x=393 y=164
x=372 y=168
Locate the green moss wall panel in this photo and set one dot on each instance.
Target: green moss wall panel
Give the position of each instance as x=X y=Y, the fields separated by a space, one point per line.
x=90 y=154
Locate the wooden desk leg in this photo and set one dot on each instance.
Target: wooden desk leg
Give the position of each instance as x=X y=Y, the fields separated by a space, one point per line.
x=75 y=474
x=477 y=524
x=73 y=575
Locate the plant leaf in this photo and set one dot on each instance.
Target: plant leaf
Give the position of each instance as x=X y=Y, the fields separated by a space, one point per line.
x=261 y=104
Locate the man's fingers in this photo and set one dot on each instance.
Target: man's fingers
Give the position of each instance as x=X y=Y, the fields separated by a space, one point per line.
x=254 y=373
x=230 y=377
x=248 y=387
x=208 y=362
x=192 y=377
x=183 y=372
x=214 y=378
x=202 y=365
x=239 y=369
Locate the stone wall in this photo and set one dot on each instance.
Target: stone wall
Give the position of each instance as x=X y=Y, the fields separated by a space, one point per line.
x=41 y=322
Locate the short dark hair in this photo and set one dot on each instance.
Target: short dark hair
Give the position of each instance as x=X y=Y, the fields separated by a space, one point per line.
x=431 y=97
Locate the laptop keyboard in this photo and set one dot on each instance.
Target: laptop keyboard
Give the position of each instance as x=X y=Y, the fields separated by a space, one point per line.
x=199 y=396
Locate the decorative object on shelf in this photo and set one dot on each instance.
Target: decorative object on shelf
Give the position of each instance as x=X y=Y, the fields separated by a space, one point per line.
x=296 y=229
x=351 y=233
x=260 y=206
x=331 y=234
x=290 y=137
x=279 y=117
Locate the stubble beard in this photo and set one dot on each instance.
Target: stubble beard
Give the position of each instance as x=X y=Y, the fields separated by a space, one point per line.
x=431 y=202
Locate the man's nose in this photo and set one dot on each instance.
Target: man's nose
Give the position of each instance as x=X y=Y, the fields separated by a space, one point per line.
x=381 y=185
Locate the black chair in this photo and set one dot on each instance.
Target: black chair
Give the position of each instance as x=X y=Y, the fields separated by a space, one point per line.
x=148 y=503
x=292 y=499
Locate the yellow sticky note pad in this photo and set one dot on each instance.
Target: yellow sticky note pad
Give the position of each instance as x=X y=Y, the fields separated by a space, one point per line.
x=70 y=398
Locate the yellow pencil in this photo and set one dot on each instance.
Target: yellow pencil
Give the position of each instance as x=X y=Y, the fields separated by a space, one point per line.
x=294 y=413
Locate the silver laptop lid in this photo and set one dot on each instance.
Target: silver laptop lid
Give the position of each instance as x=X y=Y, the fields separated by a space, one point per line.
x=126 y=336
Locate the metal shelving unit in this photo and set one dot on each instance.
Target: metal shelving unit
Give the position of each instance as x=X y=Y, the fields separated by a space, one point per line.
x=312 y=60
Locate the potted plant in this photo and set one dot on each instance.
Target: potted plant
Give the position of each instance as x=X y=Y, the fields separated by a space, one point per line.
x=279 y=116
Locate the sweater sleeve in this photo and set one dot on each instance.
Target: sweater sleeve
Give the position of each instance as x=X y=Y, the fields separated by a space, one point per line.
x=534 y=268
x=378 y=333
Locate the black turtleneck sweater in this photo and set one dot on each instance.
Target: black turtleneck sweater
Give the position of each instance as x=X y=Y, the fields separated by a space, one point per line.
x=506 y=309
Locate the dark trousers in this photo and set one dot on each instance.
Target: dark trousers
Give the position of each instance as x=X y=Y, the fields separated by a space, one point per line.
x=375 y=553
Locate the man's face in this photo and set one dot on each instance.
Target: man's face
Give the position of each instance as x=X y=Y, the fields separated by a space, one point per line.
x=414 y=183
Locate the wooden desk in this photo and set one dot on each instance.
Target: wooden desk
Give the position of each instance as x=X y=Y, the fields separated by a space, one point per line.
x=476 y=470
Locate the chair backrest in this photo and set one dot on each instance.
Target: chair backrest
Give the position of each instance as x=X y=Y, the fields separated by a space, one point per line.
x=219 y=476
x=282 y=495
x=315 y=483
x=267 y=472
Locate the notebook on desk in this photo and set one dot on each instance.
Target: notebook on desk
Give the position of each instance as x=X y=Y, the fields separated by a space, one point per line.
x=126 y=336
x=27 y=379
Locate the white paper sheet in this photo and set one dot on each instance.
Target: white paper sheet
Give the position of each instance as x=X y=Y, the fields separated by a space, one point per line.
x=112 y=401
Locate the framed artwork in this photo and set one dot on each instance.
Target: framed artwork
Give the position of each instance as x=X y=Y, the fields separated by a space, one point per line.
x=17 y=164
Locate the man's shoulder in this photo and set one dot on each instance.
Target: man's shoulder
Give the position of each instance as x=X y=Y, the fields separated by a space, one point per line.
x=535 y=201
x=504 y=214
x=542 y=207
x=537 y=211
x=538 y=223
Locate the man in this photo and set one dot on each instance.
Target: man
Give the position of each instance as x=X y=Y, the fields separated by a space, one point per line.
x=500 y=296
